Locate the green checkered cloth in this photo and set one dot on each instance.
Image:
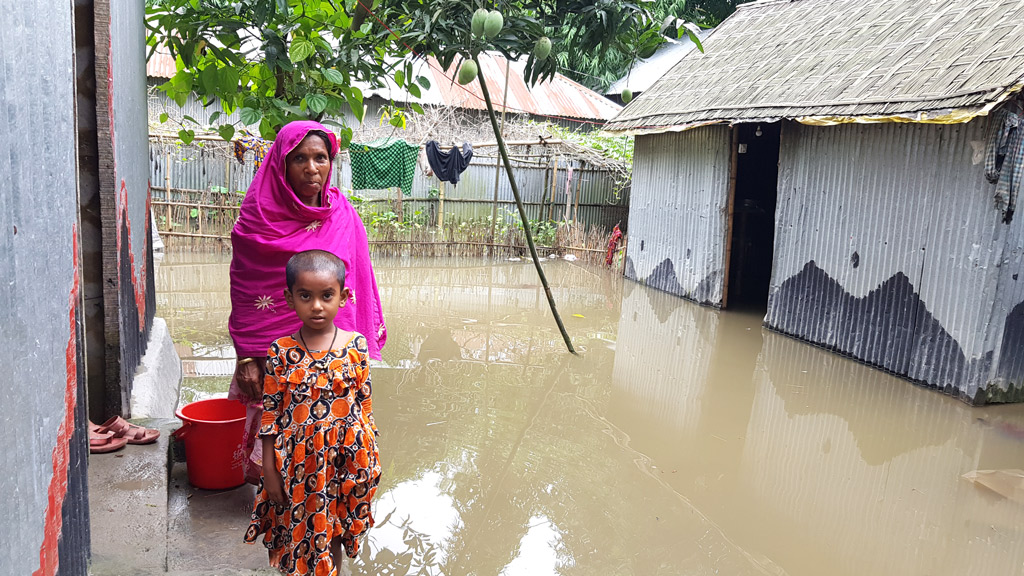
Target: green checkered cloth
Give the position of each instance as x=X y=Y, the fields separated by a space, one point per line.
x=383 y=163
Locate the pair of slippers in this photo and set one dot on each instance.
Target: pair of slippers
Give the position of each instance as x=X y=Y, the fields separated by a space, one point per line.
x=115 y=433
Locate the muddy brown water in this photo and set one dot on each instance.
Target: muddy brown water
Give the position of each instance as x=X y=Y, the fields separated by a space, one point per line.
x=682 y=440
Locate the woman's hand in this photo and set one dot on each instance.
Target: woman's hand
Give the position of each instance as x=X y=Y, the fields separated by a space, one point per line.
x=249 y=374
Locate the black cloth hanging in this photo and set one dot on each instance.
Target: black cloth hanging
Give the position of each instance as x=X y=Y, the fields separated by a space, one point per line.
x=448 y=166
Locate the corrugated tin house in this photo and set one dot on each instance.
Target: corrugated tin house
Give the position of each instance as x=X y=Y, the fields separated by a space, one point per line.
x=827 y=159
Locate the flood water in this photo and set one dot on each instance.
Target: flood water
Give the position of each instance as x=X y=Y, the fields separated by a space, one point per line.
x=682 y=440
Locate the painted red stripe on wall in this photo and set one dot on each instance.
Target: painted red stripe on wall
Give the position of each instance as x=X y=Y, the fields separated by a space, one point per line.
x=48 y=554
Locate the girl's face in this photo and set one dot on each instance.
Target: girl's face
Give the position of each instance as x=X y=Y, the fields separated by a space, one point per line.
x=308 y=166
x=316 y=297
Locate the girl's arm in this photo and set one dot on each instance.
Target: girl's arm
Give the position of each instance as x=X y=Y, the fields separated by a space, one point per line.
x=272 y=481
x=273 y=396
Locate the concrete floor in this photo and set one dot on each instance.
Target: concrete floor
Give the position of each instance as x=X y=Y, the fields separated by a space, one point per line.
x=146 y=519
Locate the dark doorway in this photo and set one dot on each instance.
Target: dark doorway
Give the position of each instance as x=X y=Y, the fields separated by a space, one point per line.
x=752 y=239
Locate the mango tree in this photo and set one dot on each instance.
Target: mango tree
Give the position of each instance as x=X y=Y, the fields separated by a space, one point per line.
x=279 y=60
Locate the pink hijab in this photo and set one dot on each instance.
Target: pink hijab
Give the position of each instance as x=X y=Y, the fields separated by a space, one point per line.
x=272 y=226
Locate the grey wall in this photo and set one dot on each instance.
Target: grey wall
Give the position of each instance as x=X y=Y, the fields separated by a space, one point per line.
x=677 y=213
x=42 y=407
x=889 y=248
x=123 y=143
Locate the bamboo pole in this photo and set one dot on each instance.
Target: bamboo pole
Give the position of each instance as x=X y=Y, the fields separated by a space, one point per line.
x=497 y=165
x=440 y=209
x=522 y=210
x=167 y=184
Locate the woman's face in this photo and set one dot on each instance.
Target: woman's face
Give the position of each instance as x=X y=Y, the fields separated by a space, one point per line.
x=307 y=168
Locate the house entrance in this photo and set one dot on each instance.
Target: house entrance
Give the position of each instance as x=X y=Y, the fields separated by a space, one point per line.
x=752 y=230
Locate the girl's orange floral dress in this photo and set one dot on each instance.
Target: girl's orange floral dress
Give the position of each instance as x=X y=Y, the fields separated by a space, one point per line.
x=318 y=407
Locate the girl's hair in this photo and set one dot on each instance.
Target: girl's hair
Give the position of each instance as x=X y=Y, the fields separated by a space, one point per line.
x=327 y=141
x=314 y=261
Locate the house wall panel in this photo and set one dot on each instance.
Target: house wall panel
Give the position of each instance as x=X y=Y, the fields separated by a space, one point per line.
x=678 y=213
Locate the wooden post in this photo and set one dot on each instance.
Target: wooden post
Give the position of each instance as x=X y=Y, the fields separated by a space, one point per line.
x=497 y=162
x=568 y=198
x=167 y=185
x=729 y=209
x=440 y=208
x=625 y=252
x=543 y=196
x=221 y=215
x=579 y=187
x=554 y=185
x=398 y=207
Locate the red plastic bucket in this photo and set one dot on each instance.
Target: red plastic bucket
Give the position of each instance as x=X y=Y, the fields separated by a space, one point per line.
x=212 y=430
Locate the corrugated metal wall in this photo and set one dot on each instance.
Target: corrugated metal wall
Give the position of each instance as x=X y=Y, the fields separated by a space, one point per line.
x=42 y=409
x=889 y=248
x=677 y=212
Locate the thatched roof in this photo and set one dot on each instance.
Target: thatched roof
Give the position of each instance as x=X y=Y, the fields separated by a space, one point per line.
x=831 y=61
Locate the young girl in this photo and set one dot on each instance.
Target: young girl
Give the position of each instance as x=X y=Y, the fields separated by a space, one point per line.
x=320 y=463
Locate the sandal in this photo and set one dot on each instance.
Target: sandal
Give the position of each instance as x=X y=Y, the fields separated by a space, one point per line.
x=134 y=434
x=102 y=442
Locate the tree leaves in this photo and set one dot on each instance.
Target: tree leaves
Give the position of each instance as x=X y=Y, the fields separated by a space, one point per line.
x=317 y=103
x=300 y=49
x=249 y=116
x=334 y=76
x=280 y=60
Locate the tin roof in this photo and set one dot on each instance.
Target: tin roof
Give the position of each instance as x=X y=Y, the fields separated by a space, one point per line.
x=835 y=61
x=161 y=64
x=646 y=72
x=559 y=97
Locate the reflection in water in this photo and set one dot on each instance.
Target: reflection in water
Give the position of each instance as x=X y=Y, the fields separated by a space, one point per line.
x=682 y=441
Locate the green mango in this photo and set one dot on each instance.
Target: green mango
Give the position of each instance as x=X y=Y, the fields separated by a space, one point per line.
x=493 y=24
x=467 y=72
x=627 y=95
x=542 y=49
x=478 y=22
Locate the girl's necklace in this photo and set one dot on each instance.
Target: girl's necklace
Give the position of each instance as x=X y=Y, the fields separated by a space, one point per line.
x=321 y=363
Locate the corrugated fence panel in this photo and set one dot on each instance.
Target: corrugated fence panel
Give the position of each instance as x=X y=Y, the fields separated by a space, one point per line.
x=596 y=199
x=889 y=248
x=677 y=212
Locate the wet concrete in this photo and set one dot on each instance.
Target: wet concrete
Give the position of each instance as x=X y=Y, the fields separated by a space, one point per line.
x=682 y=440
x=128 y=506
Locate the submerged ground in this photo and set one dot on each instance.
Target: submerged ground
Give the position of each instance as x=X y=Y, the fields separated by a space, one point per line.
x=682 y=440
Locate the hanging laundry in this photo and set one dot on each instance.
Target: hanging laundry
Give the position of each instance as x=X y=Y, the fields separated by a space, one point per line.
x=613 y=244
x=383 y=163
x=449 y=166
x=247 y=142
x=1004 y=158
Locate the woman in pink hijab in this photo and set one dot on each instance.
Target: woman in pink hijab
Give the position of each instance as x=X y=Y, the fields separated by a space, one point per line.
x=291 y=207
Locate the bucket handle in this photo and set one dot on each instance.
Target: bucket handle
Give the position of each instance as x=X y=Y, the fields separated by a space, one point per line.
x=180 y=433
